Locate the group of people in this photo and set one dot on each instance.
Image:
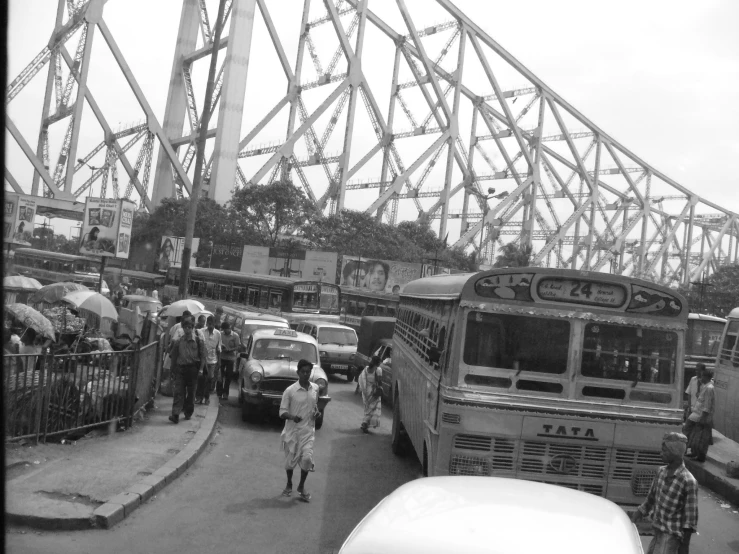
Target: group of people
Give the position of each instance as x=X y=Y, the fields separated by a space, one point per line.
x=202 y=361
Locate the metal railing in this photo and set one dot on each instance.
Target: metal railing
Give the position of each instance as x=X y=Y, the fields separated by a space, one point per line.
x=48 y=395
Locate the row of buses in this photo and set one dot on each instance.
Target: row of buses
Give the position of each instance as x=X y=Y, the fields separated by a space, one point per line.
x=54 y=267
x=558 y=376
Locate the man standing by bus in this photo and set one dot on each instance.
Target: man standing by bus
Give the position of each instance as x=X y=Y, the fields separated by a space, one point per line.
x=699 y=427
x=213 y=353
x=299 y=409
x=672 y=500
x=230 y=344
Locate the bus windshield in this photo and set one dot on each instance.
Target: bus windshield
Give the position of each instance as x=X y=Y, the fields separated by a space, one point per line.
x=517 y=342
x=334 y=335
x=628 y=353
x=703 y=337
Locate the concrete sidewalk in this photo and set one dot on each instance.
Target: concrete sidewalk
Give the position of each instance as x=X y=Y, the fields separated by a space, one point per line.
x=100 y=479
x=712 y=473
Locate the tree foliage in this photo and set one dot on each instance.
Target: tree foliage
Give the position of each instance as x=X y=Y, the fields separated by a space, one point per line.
x=720 y=294
x=270 y=210
x=514 y=255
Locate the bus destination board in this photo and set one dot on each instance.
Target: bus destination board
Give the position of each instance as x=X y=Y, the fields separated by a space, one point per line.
x=581 y=291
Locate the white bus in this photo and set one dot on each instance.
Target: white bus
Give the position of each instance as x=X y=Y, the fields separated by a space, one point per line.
x=726 y=379
x=558 y=376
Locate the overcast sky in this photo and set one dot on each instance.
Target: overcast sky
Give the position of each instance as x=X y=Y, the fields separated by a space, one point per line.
x=660 y=76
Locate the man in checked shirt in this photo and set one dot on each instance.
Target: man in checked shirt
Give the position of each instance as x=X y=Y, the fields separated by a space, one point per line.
x=672 y=501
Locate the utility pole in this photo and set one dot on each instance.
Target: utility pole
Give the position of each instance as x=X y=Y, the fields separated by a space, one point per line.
x=702 y=284
x=199 y=160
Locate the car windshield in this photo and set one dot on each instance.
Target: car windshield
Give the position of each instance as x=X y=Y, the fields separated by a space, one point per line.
x=278 y=349
x=342 y=337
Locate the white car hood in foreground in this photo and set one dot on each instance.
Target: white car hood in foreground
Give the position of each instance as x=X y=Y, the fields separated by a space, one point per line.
x=495 y=516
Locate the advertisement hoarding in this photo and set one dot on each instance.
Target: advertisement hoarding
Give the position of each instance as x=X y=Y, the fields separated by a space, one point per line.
x=170 y=253
x=106 y=227
x=226 y=256
x=378 y=275
x=20 y=212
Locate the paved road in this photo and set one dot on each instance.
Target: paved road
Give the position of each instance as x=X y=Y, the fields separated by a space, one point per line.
x=229 y=501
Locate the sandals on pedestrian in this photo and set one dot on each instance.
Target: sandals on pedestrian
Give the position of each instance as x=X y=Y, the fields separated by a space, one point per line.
x=287 y=491
x=364 y=428
x=304 y=496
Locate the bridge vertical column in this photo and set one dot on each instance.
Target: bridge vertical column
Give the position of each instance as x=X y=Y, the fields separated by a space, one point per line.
x=593 y=203
x=527 y=230
x=453 y=119
x=43 y=129
x=231 y=109
x=688 y=245
x=386 y=150
x=646 y=209
x=174 y=112
x=92 y=17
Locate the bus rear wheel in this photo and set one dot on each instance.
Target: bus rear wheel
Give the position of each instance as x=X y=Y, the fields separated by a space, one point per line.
x=399 y=437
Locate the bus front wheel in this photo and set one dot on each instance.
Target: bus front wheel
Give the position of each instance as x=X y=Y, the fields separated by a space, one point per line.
x=399 y=436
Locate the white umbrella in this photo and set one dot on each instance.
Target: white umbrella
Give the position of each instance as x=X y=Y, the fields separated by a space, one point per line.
x=175 y=309
x=92 y=302
x=20 y=283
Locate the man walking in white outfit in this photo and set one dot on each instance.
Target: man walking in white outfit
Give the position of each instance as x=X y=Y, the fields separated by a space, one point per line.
x=299 y=409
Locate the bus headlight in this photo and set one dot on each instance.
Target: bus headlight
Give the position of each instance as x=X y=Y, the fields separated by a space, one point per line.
x=255 y=377
x=322 y=386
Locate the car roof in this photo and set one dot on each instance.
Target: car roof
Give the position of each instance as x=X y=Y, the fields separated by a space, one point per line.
x=247 y=314
x=705 y=317
x=277 y=334
x=320 y=323
x=492 y=515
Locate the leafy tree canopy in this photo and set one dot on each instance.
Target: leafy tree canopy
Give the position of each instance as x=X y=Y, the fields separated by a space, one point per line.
x=270 y=210
x=514 y=255
x=720 y=294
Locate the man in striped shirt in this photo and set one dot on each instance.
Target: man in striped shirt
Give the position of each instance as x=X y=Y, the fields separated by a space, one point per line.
x=672 y=500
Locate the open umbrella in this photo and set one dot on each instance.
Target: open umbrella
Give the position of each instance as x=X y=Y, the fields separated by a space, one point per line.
x=175 y=309
x=32 y=319
x=92 y=302
x=54 y=292
x=20 y=283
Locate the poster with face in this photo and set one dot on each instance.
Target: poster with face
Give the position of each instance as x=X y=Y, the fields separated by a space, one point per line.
x=106 y=227
x=377 y=275
x=22 y=210
x=170 y=252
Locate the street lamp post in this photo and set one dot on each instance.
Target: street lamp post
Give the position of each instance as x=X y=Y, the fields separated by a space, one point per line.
x=93 y=169
x=485 y=209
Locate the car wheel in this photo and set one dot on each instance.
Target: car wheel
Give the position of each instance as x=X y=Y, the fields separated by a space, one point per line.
x=246 y=412
x=399 y=437
x=350 y=375
x=241 y=394
x=319 y=421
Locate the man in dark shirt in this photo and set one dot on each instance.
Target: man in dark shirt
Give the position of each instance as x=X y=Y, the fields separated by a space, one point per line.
x=188 y=359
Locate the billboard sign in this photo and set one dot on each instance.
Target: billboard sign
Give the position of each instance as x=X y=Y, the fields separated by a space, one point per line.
x=170 y=253
x=20 y=212
x=377 y=275
x=226 y=256
x=106 y=227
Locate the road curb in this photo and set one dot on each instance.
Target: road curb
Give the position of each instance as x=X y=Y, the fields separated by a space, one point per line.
x=121 y=506
x=711 y=476
x=125 y=503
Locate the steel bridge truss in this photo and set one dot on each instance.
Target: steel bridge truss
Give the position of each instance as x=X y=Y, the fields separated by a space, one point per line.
x=463 y=116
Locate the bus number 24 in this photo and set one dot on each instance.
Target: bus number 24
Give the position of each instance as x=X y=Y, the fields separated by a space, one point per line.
x=580 y=289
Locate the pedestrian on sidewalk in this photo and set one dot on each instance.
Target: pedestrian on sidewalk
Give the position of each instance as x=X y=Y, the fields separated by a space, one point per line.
x=188 y=359
x=212 y=357
x=694 y=387
x=370 y=383
x=299 y=409
x=230 y=344
x=672 y=501
x=699 y=427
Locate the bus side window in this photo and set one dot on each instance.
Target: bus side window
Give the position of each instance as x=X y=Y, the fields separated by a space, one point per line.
x=370 y=310
x=275 y=299
x=352 y=308
x=264 y=298
x=209 y=289
x=381 y=310
x=253 y=296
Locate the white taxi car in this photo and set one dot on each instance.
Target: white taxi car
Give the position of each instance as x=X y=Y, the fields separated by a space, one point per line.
x=270 y=365
x=492 y=515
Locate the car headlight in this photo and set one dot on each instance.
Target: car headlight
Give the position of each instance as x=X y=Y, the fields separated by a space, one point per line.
x=322 y=386
x=255 y=377
x=323 y=354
